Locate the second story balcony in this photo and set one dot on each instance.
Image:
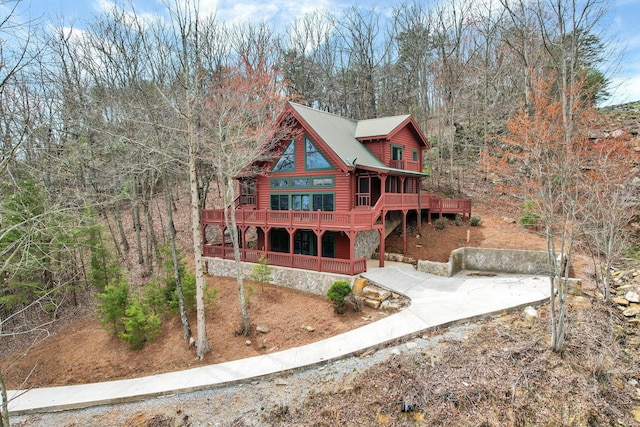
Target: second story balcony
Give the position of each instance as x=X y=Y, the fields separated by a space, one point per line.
x=362 y=218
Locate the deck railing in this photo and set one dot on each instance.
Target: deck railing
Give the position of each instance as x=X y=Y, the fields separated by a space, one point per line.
x=410 y=165
x=358 y=219
x=362 y=218
x=338 y=220
x=306 y=262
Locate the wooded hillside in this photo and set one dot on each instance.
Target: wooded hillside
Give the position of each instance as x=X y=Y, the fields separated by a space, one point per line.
x=124 y=113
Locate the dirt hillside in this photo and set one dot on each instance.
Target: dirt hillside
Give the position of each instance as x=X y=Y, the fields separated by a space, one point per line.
x=83 y=351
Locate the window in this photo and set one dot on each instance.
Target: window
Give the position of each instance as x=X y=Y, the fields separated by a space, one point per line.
x=305 y=243
x=279 y=240
x=248 y=192
x=301 y=202
x=396 y=152
x=323 y=181
x=363 y=184
x=329 y=244
x=414 y=155
x=393 y=184
x=313 y=157
x=279 y=183
x=279 y=202
x=300 y=182
x=323 y=202
x=287 y=162
x=411 y=186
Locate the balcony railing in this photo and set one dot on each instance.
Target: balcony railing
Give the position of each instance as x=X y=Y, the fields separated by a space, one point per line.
x=337 y=220
x=306 y=262
x=409 y=165
x=357 y=219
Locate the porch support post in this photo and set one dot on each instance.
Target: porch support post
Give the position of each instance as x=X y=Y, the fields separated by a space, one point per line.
x=404 y=231
x=419 y=183
x=267 y=239
x=383 y=184
x=352 y=251
x=223 y=228
x=243 y=243
x=319 y=233
x=292 y=232
x=382 y=239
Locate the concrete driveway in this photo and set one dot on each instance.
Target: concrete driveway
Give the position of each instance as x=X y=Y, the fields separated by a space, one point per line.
x=435 y=301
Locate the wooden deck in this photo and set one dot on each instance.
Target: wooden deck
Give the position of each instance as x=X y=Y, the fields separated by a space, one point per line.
x=361 y=218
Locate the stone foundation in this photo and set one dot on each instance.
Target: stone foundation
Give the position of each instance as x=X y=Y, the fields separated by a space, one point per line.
x=303 y=280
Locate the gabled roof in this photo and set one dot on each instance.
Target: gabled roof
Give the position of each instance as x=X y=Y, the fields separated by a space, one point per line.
x=383 y=126
x=342 y=135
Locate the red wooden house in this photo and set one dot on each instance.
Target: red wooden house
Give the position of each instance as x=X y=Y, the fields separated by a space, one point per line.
x=332 y=194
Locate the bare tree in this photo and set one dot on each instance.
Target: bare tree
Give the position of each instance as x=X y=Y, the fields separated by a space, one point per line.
x=240 y=108
x=611 y=202
x=185 y=22
x=12 y=61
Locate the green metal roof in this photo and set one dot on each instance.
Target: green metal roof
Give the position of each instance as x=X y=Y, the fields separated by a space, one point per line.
x=378 y=127
x=340 y=135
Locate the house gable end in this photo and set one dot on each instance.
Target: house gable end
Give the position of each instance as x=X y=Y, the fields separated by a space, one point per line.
x=313 y=127
x=415 y=130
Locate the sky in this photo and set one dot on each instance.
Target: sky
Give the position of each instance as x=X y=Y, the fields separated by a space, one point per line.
x=621 y=23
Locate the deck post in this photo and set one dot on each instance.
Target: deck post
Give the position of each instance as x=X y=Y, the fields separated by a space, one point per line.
x=419 y=207
x=319 y=234
x=382 y=239
x=352 y=249
x=224 y=242
x=243 y=249
x=404 y=231
x=292 y=232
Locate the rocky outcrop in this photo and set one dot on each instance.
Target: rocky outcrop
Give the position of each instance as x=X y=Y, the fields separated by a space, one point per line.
x=625 y=294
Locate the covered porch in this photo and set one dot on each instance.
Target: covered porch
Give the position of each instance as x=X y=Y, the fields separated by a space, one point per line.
x=306 y=248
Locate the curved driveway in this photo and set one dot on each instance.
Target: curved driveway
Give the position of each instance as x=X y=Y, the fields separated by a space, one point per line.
x=435 y=301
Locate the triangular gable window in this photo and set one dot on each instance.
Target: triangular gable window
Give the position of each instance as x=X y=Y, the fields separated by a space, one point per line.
x=287 y=162
x=313 y=157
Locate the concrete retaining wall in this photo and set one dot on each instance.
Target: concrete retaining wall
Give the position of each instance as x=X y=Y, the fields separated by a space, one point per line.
x=490 y=260
x=304 y=280
x=506 y=261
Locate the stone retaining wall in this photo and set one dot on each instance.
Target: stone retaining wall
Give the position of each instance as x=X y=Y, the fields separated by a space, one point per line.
x=304 y=280
x=490 y=260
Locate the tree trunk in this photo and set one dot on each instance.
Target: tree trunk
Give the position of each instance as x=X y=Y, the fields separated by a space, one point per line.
x=202 y=341
x=112 y=233
x=123 y=236
x=136 y=225
x=4 y=418
x=147 y=201
x=186 y=328
x=152 y=243
x=230 y=220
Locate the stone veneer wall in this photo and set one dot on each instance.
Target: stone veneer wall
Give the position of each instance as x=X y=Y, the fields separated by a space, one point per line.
x=304 y=280
x=366 y=243
x=490 y=260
